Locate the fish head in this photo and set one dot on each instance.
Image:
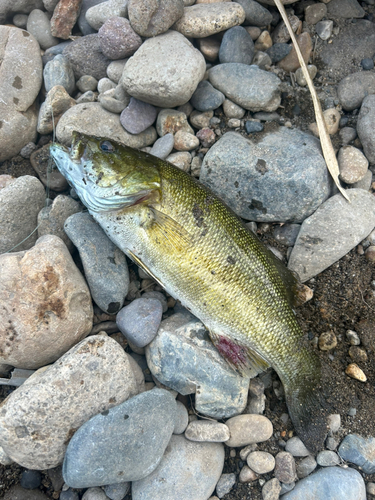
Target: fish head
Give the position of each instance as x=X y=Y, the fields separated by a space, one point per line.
x=107 y=175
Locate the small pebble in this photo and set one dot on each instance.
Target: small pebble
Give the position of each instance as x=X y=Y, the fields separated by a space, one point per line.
x=306 y=466
x=370 y=488
x=357 y=354
x=260 y=462
x=225 y=484
x=117 y=491
x=367 y=63
x=184 y=141
x=352 y=164
x=232 y=110
x=181 y=160
x=248 y=449
x=334 y=422
x=285 y=467
x=201 y=120
x=87 y=82
x=370 y=253
x=331 y=443
x=271 y=489
x=355 y=372
x=301 y=80
x=206 y=137
x=324 y=29
x=327 y=341
x=69 y=494
x=31 y=479
x=94 y=494
x=347 y=134
x=296 y=447
x=286 y=487
x=234 y=123
x=207 y=430
x=137 y=116
x=163 y=146
x=327 y=458
x=247 y=475
x=253 y=126
x=248 y=429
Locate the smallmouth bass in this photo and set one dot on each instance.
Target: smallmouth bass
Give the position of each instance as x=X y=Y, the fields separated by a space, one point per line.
x=193 y=245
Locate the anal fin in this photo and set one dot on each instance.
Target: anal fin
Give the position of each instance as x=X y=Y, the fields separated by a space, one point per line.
x=139 y=263
x=240 y=357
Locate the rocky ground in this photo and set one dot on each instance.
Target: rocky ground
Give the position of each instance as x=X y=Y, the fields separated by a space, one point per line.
x=244 y=130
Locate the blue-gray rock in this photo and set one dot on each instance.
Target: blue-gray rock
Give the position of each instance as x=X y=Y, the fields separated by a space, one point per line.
x=69 y=495
x=225 y=484
x=333 y=483
x=286 y=234
x=367 y=63
x=281 y=177
x=83 y=25
x=331 y=232
x=117 y=491
x=138 y=116
x=206 y=97
x=163 y=146
x=104 y=264
x=140 y=320
x=219 y=391
x=359 y=451
x=182 y=418
x=38 y=24
x=188 y=470
x=306 y=466
x=94 y=494
x=50 y=53
x=126 y=442
x=278 y=51
x=366 y=127
x=86 y=57
x=252 y=127
x=345 y=8
x=30 y=479
x=327 y=458
x=248 y=86
x=354 y=88
x=237 y=46
x=157 y=295
x=59 y=72
x=256 y=14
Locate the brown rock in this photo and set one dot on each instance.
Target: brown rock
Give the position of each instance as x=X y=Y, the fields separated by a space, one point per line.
x=209 y=47
x=206 y=136
x=57 y=102
x=184 y=141
x=263 y=42
x=64 y=18
x=327 y=341
x=290 y=62
x=370 y=253
x=355 y=372
x=281 y=33
x=46 y=304
x=357 y=354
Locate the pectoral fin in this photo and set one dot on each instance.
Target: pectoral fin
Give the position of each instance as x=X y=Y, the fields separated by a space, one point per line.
x=145 y=268
x=170 y=231
x=239 y=357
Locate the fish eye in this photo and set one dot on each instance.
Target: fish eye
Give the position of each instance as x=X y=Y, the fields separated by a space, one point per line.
x=107 y=147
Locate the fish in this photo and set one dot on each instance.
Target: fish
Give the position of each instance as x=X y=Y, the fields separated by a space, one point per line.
x=192 y=244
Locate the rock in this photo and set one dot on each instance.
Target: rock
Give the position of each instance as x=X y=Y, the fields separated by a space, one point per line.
x=117 y=491
x=248 y=86
x=20 y=20
x=104 y=264
x=150 y=19
x=86 y=83
x=296 y=447
x=355 y=372
x=201 y=120
x=367 y=63
x=247 y=475
x=86 y=57
x=219 y=391
x=209 y=47
x=182 y=418
x=51 y=219
x=365 y=123
x=92 y=119
x=181 y=160
x=137 y=116
x=112 y=105
x=30 y=479
x=327 y=341
x=202 y=467
x=264 y=41
x=347 y=134
x=278 y=51
x=206 y=137
x=171 y=121
x=281 y=34
x=265 y=174
x=345 y=9
x=206 y=430
x=225 y=484
x=271 y=489
x=99 y=12
x=285 y=467
x=201 y=20
x=163 y=146
x=290 y=62
x=256 y=14
x=38 y=25
x=334 y=483
x=252 y=127
x=334 y=422
x=9 y=7
x=165 y=70
x=237 y=46
x=130 y=440
x=324 y=29
x=332 y=120
x=306 y=466
x=40 y=161
x=64 y=18
x=20 y=82
x=140 y=320
x=315 y=13
x=260 y=462
x=159 y=296
x=206 y=97
x=183 y=141
x=357 y=39
x=16 y=492
x=58 y=402
x=248 y=429
x=364 y=183
x=354 y=88
x=262 y=60
x=301 y=80
x=118 y=39
x=59 y=72
x=352 y=164
x=232 y=110
x=115 y=69
x=94 y=494
x=57 y=102
x=327 y=458
x=331 y=232
x=20 y=202
x=106 y=86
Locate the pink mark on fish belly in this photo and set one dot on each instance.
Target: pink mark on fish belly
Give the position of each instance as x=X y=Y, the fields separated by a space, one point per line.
x=231 y=351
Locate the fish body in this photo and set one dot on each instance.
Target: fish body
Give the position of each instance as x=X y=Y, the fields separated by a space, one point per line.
x=184 y=236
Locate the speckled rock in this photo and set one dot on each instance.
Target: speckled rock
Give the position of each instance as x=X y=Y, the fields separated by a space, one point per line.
x=203 y=464
x=207 y=430
x=181 y=160
x=105 y=266
x=165 y=70
x=64 y=17
x=247 y=429
x=115 y=69
x=59 y=72
x=260 y=462
x=352 y=164
x=327 y=458
x=331 y=232
x=296 y=447
x=345 y=9
x=225 y=484
x=118 y=39
x=182 y=418
x=359 y=451
x=285 y=467
x=171 y=121
x=9 y=7
x=264 y=175
x=86 y=57
x=248 y=86
x=57 y=102
x=151 y=18
x=271 y=489
x=38 y=419
x=183 y=141
x=306 y=466
x=117 y=491
x=203 y=20
x=354 y=88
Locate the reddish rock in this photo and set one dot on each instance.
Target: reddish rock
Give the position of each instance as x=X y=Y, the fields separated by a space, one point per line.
x=290 y=62
x=64 y=18
x=206 y=136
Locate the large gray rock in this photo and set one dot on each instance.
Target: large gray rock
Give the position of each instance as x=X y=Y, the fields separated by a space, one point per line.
x=127 y=442
x=104 y=264
x=187 y=471
x=281 y=177
x=39 y=418
x=219 y=391
x=20 y=203
x=46 y=305
x=366 y=127
x=354 y=88
x=248 y=86
x=90 y=118
x=164 y=71
x=332 y=231
x=20 y=82
x=359 y=451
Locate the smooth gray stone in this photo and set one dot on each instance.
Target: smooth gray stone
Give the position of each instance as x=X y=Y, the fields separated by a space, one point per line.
x=359 y=451
x=333 y=483
x=345 y=9
x=366 y=127
x=104 y=264
x=256 y=14
x=188 y=471
x=83 y=25
x=128 y=441
x=286 y=234
x=182 y=418
x=248 y=86
x=225 y=484
x=237 y=46
x=163 y=146
x=331 y=232
x=9 y=7
x=38 y=24
x=138 y=116
x=219 y=391
x=354 y=88
x=282 y=177
x=206 y=97
x=59 y=72
x=117 y=491
x=327 y=458
x=140 y=320
x=306 y=466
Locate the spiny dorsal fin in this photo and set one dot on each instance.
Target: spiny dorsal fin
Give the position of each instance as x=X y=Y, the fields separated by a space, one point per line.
x=168 y=229
x=239 y=356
